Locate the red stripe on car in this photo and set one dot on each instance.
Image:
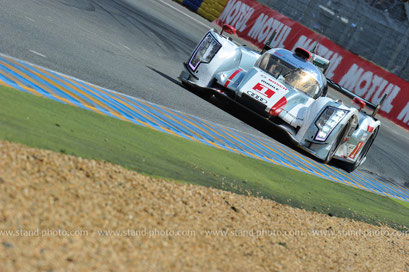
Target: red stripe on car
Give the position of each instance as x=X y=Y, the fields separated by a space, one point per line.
x=231 y=77
x=356 y=150
x=278 y=107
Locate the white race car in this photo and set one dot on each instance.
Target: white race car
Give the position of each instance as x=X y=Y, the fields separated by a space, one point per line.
x=288 y=88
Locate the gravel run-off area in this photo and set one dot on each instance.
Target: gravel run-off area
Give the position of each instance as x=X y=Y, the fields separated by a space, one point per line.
x=64 y=213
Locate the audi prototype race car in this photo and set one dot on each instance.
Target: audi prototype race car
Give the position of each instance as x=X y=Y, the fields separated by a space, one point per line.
x=288 y=88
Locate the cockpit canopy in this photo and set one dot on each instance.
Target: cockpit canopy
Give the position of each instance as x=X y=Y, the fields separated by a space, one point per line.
x=296 y=78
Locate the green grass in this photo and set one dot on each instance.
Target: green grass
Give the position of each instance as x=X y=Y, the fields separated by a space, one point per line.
x=403 y=203
x=42 y=123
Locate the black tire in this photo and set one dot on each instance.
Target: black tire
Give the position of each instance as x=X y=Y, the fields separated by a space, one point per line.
x=337 y=142
x=350 y=167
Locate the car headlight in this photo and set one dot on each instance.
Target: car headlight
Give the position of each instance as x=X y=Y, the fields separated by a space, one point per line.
x=327 y=121
x=205 y=52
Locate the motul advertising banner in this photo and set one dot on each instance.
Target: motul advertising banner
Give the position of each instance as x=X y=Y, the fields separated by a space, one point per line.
x=256 y=23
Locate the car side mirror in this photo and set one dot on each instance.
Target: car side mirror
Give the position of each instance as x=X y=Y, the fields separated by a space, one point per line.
x=229 y=29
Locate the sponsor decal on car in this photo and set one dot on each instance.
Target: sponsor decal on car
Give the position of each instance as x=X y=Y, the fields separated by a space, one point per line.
x=264 y=90
x=262 y=87
x=257 y=97
x=277 y=84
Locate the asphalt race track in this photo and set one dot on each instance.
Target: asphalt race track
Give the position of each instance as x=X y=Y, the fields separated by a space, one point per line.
x=136 y=47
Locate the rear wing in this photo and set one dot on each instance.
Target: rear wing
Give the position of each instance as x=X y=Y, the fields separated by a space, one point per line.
x=350 y=94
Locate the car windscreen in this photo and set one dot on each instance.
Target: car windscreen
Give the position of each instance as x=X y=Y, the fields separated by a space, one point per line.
x=302 y=81
x=273 y=65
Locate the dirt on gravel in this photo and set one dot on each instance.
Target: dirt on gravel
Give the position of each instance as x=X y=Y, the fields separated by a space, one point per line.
x=64 y=213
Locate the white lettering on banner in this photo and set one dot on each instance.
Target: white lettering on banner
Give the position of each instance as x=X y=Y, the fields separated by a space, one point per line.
x=236 y=14
x=370 y=86
x=228 y=10
x=323 y=51
x=264 y=27
x=404 y=114
x=387 y=105
x=377 y=83
x=363 y=83
x=350 y=79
